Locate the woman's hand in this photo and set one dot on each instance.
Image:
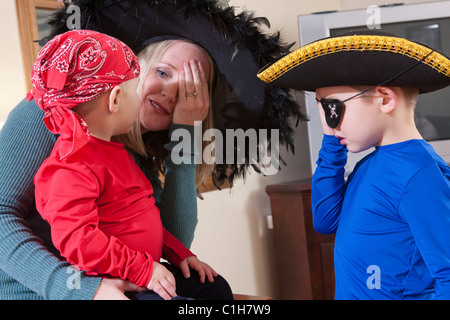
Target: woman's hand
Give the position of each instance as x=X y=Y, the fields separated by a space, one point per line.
x=162 y=282
x=193 y=98
x=113 y=289
x=203 y=269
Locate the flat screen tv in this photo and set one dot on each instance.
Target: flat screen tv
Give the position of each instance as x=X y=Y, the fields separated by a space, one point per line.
x=427 y=23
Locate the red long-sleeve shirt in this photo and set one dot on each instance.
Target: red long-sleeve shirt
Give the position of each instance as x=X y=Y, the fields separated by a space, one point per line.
x=102 y=214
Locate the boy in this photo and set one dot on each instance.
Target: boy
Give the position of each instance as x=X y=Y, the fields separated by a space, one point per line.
x=392 y=216
x=97 y=201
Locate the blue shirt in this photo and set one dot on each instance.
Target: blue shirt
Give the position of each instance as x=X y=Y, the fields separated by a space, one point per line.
x=391 y=218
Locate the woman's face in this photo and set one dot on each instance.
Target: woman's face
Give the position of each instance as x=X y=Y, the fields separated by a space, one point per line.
x=160 y=88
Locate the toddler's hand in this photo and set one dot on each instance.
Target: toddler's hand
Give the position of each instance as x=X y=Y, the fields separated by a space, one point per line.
x=162 y=282
x=202 y=268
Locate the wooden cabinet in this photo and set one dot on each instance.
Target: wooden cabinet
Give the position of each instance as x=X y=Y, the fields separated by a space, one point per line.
x=304 y=257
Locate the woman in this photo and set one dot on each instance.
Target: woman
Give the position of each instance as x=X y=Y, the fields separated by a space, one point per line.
x=170 y=74
x=165 y=76
x=29 y=264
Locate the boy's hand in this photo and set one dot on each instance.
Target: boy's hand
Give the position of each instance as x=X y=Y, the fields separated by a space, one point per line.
x=162 y=282
x=202 y=268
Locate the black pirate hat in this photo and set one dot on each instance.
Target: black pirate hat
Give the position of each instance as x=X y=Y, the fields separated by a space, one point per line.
x=367 y=58
x=236 y=44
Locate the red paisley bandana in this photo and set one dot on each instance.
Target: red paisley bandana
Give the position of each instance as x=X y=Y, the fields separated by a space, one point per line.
x=72 y=68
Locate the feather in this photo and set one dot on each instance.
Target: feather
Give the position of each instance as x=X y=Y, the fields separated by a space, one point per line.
x=242 y=30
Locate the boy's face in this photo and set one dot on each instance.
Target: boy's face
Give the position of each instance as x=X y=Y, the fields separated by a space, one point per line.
x=361 y=125
x=129 y=104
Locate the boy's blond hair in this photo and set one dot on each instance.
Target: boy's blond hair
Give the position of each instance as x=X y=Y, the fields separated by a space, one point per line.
x=409 y=94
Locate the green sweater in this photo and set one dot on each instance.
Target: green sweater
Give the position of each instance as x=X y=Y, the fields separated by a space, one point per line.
x=30 y=267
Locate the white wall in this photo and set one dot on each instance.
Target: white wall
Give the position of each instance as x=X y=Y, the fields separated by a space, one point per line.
x=12 y=79
x=232 y=233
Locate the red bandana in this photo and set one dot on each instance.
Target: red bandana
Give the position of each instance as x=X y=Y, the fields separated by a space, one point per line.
x=72 y=68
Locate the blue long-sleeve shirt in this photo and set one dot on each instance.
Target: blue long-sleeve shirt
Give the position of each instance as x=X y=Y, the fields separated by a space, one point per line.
x=391 y=219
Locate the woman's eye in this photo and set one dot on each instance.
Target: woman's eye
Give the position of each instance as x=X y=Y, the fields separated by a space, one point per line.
x=161 y=73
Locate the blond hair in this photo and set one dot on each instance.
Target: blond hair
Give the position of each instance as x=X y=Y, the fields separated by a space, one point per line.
x=148 y=58
x=410 y=95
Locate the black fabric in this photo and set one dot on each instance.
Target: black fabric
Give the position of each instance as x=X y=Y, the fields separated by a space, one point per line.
x=334 y=110
x=190 y=288
x=362 y=68
x=235 y=42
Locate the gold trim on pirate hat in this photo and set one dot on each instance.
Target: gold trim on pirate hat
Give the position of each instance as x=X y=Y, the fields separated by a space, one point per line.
x=362 y=58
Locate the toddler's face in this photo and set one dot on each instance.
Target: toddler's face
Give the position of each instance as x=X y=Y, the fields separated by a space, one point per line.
x=129 y=104
x=360 y=127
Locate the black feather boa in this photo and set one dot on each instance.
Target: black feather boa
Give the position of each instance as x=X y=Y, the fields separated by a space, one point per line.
x=281 y=111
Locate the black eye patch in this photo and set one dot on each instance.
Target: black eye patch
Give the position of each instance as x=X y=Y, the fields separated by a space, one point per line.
x=334 y=110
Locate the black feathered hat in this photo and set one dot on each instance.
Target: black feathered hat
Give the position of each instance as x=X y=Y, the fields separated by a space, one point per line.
x=236 y=44
x=368 y=58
